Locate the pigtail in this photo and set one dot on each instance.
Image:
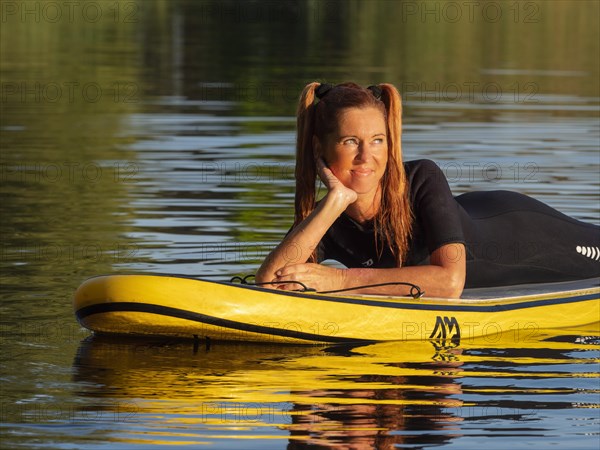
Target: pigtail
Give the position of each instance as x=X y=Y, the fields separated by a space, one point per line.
x=306 y=169
x=394 y=219
x=393 y=106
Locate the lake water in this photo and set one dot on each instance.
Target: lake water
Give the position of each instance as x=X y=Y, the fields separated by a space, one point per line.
x=158 y=136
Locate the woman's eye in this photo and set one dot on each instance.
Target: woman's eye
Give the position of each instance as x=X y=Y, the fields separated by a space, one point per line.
x=378 y=141
x=350 y=142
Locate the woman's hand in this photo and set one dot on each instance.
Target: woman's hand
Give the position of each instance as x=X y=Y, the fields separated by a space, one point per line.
x=287 y=261
x=315 y=276
x=333 y=184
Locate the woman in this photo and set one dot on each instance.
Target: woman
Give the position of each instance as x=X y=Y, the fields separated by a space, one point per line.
x=390 y=221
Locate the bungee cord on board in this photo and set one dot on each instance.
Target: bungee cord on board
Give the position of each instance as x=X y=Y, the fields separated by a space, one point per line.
x=415 y=291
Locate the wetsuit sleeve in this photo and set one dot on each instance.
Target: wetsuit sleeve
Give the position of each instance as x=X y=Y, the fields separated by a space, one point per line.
x=436 y=212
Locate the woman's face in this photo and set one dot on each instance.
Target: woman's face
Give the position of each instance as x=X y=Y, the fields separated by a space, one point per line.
x=357 y=152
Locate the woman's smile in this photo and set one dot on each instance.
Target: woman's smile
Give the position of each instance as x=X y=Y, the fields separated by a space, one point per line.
x=362 y=172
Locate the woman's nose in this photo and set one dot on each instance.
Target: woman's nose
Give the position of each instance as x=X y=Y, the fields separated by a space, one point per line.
x=364 y=153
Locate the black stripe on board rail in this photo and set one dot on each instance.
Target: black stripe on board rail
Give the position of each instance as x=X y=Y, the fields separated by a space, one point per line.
x=206 y=319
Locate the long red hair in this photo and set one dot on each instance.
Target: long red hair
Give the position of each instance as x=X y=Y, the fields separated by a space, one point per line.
x=393 y=219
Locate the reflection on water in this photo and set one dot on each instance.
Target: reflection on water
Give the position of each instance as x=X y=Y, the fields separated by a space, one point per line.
x=375 y=396
x=159 y=137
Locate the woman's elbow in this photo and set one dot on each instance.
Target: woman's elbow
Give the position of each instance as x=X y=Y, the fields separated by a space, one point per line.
x=449 y=285
x=451 y=280
x=455 y=293
x=455 y=285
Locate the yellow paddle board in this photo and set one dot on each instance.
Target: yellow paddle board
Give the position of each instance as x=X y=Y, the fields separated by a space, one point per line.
x=183 y=307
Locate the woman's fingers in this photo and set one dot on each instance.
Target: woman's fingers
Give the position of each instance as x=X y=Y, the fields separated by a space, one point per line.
x=333 y=183
x=289 y=272
x=311 y=275
x=289 y=283
x=286 y=275
x=325 y=173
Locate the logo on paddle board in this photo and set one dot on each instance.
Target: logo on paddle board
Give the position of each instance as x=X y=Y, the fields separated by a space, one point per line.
x=446 y=328
x=590 y=252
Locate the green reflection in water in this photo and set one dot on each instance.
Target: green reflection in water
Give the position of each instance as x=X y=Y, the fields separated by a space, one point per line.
x=70 y=88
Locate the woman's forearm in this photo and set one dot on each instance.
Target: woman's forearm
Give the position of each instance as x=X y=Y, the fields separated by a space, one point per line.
x=301 y=242
x=444 y=276
x=435 y=281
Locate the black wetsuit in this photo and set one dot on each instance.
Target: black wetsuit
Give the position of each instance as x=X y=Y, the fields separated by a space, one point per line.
x=510 y=238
